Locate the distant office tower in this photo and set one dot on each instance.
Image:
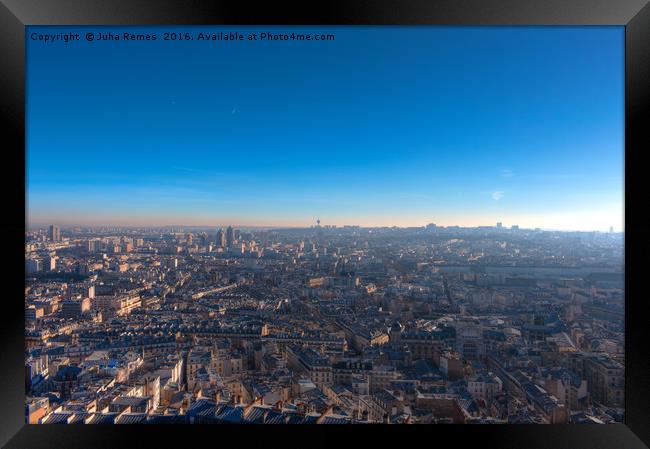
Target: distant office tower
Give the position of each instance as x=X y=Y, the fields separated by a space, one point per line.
x=499 y=225
x=230 y=236
x=514 y=227
x=94 y=246
x=221 y=238
x=34 y=266
x=55 y=233
x=611 y=229
x=50 y=263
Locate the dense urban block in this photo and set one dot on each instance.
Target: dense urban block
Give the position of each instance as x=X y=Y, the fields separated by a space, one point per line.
x=325 y=325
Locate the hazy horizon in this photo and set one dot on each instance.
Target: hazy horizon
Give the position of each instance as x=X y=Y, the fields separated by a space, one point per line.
x=385 y=126
x=68 y=224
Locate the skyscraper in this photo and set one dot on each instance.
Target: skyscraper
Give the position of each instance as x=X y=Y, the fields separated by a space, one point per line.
x=55 y=233
x=94 y=245
x=221 y=238
x=230 y=236
x=50 y=263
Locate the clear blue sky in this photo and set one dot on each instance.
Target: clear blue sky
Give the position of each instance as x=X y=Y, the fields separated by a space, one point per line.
x=384 y=126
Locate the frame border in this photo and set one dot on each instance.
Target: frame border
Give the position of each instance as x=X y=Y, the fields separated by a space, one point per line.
x=634 y=15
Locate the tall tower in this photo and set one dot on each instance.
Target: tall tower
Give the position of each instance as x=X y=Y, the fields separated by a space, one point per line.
x=319 y=232
x=54 y=233
x=221 y=238
x=230 y=236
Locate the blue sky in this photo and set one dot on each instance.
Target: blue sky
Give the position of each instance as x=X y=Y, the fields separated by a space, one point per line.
x=384 y=126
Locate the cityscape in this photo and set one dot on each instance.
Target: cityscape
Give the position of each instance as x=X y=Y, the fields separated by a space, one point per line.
x=394 y=225
x=323 y=324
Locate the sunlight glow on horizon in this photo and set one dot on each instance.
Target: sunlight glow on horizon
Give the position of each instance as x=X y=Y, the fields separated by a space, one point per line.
x=575 y=221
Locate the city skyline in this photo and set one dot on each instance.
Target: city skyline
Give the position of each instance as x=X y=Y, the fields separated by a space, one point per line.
x=224 y=225
x=468 y=127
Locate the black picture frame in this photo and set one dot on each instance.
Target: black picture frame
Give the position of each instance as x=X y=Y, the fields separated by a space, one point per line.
x=634 y=15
